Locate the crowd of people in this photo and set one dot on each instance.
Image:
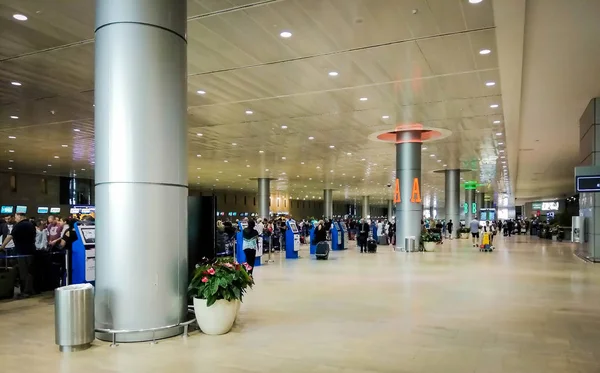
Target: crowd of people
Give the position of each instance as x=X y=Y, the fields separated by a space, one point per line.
x=27 y=243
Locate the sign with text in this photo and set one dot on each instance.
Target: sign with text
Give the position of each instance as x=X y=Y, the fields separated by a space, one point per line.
x=415 y=195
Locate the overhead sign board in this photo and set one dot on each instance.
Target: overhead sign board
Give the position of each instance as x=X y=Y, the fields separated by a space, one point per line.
x=587 y=184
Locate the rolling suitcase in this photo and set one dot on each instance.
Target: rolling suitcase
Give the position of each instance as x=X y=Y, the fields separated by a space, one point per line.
x=322 y=250
x=371 y=245
x=383 y=239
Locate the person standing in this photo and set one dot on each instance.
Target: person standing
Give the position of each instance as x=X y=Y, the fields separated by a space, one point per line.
x=54 y=231
x=449 y=227
x=23 y=237
x=363 y=235
x=474 y=225
x=260 y=229
x=250 y=244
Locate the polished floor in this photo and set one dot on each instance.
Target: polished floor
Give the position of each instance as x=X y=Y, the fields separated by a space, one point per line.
x=530 y=306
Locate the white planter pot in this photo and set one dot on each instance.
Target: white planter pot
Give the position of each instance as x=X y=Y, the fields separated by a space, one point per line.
x=429 y=246
x=216 y=319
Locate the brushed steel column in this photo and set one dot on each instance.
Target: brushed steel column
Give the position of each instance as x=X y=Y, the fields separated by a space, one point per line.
x=408 y=168
x=366 y=209
x=390 y=209
x=264 y=198
x=480 y=197
x=452 y=195
x=469 y=200
x=328 y=203
x=141 y=166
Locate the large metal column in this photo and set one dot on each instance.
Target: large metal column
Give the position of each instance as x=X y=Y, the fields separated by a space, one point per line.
x=141 y=166
x=452 y=195
x=264 y=198
x=469 y=200
x=409 y=211
x=366 y=210
x=479 y=198
x=327 y=203
x=390 y=209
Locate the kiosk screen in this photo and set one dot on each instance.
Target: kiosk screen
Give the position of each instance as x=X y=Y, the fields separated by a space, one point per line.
x=293 y=226
x=88 y=234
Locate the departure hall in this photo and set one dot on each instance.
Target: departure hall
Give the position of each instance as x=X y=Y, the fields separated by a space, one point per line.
x=327 y=186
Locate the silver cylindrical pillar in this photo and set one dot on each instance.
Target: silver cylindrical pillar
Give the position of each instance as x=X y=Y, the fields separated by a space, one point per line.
x=74 y=317
x=141 y=165
x=409 y=211
x=390 y=212
x=366 y=209
x=469 y=201
x=328 y=203
x=452 y=195
x=264 y=198
x=479 y=200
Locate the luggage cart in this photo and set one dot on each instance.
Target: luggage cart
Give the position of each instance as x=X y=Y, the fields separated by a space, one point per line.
x=486 y=242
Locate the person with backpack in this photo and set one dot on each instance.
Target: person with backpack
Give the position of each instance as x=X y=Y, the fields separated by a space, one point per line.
x=250 y=244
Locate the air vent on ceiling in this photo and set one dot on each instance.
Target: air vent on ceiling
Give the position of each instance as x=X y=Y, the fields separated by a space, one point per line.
x=526 y=150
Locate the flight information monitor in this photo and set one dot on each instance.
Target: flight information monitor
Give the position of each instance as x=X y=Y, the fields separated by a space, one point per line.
x=21 y=209
x=42 y=210
x=6 y=210
x=587 y=184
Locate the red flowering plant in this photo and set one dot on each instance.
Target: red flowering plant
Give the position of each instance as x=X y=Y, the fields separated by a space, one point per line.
x=223 y=278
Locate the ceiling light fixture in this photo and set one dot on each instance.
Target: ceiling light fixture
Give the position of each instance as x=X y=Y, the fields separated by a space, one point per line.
x=56 y=157
x=201 y=92
x=385 y=117
x=234 y=143
x=494 y=106
x=14 y=117
x=76 y=129
x=11 y=151
x=198 y=155
x=499 y=134
x=331 y=146
x=500 y=143
x=348 y=153
x=333 y=73
x=261 y=151
x=283 y=127
x=266 y=170
x=10 y=168
x=284 y=158
x=475 y=1
x=16 y=84
x=311 y=138
x=285 y=34
x=65 y=146
x=11 y=160
x=490 y=84
x=249 y=112
x=496 y=122
x=11 y=137
x=432 y=155
x=20 y=17
x=226 y=161
x=363 y=98
x=485 y=51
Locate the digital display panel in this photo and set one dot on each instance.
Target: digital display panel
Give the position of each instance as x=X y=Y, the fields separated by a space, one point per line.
x=293 y=227
x=74 y=210
x=550 y=206
x=88 y=234
x=42 y=210
x=21 y=209
x=55 y=210
x=587 y=184
x=6 y=210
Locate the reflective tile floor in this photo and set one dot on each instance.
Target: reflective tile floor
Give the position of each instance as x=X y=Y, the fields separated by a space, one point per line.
x=530 y=306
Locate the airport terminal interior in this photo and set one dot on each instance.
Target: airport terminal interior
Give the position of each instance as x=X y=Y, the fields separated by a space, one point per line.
x=328 y=186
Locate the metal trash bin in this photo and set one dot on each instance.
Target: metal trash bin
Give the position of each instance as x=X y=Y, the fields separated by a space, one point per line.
x=409 y=244
x=74 y=317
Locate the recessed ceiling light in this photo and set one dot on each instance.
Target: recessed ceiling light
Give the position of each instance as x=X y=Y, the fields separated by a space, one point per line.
x=234 y=143
x=261 y=151
x=330 y=170
x=216 y=179
x=363 y=159
x=490 y=84
x=485 y=51
x=14 y=117
x=501 y=151
x=503 y=157
x=11 y=160
x=283 y=127
x=18 y=84
x=201 y=92
x=249 y=112
x=363 y=98
x=385 y=117
x=333 y=73
x=11 y=151
x=311 y=138
x=11 y=137
x=445 y=165
x=424 y=148
x=20 y=17
x=56 y=157
x=499 y=134
x=331 y=146
x=76 y=129
x=494 y=106
x=198 y=155
x=83 y=169
x=44 y=171
x=432 y=155
x=49 y=165
x=266 y=169
x=500 y=143
x=10 y=168
x=226 y=161
x=301 y=162
x=475 y=1
x=248 y=166
x=285 y=34
x=65 y=146
x=199 y=134
x=496 y=122
x=439 y=160
x=284 y=158
x=348 y=153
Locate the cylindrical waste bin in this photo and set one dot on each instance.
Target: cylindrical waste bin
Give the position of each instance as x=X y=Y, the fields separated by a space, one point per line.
x=409 y=244
x=74 y=317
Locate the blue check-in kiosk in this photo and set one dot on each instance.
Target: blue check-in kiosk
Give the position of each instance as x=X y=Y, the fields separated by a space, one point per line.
x=292 y=240
x=239 y=244
x=335 y=236
x=343 y=243
x=313 y=241
x=83 y=255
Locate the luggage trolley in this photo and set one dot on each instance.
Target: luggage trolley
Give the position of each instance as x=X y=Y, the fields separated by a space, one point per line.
x=486 y=242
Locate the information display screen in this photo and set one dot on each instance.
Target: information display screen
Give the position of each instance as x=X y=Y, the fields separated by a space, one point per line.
x=88 y=234
x=337 y=226
x=55 y=210
x=6 y=210
x=244 y=224
x=21 y=209
x=293 y=226
x=343 y=225
x=587 y=184
x=42 y=210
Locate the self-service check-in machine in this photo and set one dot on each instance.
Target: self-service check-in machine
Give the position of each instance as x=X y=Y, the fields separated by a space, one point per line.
x=344 y=236
x=240 y=255
x=335 y=236
x=292 y=240
x=313 y=243
x=83 y=255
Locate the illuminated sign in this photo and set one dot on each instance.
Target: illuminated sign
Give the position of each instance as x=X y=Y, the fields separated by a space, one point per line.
x=466 y=208
x=55 y=210
x=6 y=209
x=415 y=195
x=42 y=210
x=474 y=208
x=587 y=183
x=21 y=209
x=549 y=206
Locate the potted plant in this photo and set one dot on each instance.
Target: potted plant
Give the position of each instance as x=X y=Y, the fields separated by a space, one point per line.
x=428 y=240
x=464 y=232
x=217 y=289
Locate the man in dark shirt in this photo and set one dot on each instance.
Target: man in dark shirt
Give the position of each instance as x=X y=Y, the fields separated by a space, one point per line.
x=23 y=236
